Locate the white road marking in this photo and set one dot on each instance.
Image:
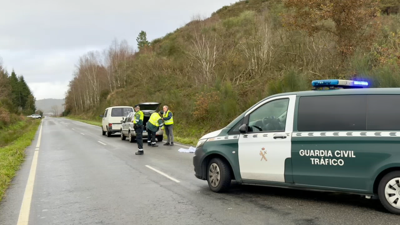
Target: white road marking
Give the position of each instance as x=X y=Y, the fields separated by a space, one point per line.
x=101 y=142
x=23 y=218
x=165 y=175
x=82 y=133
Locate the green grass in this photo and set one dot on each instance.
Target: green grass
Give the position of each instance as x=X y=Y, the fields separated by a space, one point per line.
x=187 y=141
x=92 y=122
x=13 y=154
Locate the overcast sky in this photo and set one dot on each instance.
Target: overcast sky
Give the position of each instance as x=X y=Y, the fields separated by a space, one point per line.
x=43 y=39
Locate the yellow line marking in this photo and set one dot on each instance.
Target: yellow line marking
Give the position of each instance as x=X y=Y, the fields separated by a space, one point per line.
x=23 y=218
x=165 y=175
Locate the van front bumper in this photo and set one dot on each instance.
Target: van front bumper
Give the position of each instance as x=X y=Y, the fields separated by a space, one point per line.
x=198 y=163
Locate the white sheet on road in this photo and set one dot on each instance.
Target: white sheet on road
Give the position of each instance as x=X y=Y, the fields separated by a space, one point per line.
x=187 y=150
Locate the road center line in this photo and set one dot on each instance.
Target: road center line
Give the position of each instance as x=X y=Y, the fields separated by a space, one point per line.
x=165 y=175
x=23 y=218
x=101 y=142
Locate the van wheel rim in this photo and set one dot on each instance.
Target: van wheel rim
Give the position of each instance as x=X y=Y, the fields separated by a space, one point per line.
x=392 y=192
x=214 y=175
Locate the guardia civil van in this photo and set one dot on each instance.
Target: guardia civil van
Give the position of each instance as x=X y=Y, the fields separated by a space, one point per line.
x=341 y=137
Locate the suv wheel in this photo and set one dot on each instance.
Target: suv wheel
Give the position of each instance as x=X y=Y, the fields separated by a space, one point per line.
x=389 y=192
x=123 y=136
x=160 y=138
x=218 y=175
x=131 y=138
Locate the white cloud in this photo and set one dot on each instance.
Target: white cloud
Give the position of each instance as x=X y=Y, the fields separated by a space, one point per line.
x=45 y=90
x=43 y=39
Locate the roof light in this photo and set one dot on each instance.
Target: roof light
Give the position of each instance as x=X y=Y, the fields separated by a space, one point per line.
x=339 y=83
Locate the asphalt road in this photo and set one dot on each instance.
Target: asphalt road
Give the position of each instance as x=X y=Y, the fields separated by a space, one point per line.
x=83 y=177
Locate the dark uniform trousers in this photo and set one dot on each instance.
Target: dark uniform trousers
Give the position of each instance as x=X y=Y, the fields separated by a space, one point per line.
x=151 y=139
x=139 y=136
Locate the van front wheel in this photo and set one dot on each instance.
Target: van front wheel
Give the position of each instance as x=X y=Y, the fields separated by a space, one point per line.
x=218 y=175
x=389 y=192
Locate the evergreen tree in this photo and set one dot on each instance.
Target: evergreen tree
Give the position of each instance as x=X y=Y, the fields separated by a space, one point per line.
x=30 y=107
x=142 y=40
x=25 y=92
x=15 y=92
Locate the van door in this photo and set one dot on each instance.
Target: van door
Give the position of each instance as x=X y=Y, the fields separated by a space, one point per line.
x=264 y=149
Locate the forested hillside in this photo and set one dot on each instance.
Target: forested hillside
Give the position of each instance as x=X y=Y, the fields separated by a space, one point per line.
x=15 y=98
x=212 y=69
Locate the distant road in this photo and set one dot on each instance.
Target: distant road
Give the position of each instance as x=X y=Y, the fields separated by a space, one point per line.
x=83 y=177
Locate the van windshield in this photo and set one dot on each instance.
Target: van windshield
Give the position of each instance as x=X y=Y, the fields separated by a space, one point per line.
x=120 y=112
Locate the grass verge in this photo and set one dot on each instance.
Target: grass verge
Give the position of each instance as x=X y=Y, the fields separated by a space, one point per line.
x=13 y=154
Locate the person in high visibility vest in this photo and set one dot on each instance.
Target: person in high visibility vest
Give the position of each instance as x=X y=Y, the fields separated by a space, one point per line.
x=138 y=126
x=168 y=118
x=154 y=123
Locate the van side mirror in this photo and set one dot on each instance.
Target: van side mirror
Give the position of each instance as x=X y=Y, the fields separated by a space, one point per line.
x=243 y=129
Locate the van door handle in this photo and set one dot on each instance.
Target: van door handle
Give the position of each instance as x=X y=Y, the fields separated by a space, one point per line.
x=280 y=136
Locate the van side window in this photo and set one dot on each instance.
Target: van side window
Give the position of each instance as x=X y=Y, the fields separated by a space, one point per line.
x=271 y=117
x=332 y=113
x=119 y=112
x=383 y=112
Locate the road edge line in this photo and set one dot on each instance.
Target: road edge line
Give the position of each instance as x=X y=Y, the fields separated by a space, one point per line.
x=23 y=218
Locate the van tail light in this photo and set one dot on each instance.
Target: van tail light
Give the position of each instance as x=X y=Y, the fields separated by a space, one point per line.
x=110 y=125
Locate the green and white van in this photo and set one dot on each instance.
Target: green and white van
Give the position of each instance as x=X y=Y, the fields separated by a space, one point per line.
x=343 y=138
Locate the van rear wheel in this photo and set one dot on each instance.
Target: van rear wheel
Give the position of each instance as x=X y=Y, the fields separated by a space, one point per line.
x=103 y=132
x=218 y=175
x=389 y=192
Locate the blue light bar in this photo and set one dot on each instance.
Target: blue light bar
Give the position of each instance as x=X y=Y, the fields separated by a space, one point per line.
x=339 y=83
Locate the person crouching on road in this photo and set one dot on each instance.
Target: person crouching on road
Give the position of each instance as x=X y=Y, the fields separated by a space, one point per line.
x=138 y=126
x=154 y=123
x=168 y=125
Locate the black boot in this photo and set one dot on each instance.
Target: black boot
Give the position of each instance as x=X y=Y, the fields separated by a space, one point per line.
x=149 y=143
x=139 y=153
x=166 y=143
x=154 y=145
x=172 y=144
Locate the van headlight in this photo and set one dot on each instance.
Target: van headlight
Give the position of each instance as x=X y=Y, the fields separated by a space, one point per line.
x=201 y=143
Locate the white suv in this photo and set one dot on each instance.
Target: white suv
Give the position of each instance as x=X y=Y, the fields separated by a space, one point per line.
x=112 y=117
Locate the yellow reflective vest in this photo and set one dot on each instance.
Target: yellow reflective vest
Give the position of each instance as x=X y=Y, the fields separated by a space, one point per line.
x=171 y=120
x=154 y=118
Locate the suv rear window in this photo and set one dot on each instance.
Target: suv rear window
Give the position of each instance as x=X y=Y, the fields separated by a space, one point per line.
x=332 y=113
x=118 y=112
x=149 y=106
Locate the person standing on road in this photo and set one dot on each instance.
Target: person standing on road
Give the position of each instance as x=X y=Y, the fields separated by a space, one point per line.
x=168 y=125
x=138 y=126
x=152 y=126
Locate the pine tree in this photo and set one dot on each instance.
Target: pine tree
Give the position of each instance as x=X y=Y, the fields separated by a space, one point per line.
x=15 y=91
x=142 y=40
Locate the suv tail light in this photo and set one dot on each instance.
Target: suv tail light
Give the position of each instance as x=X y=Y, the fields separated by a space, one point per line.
x=110 y=125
